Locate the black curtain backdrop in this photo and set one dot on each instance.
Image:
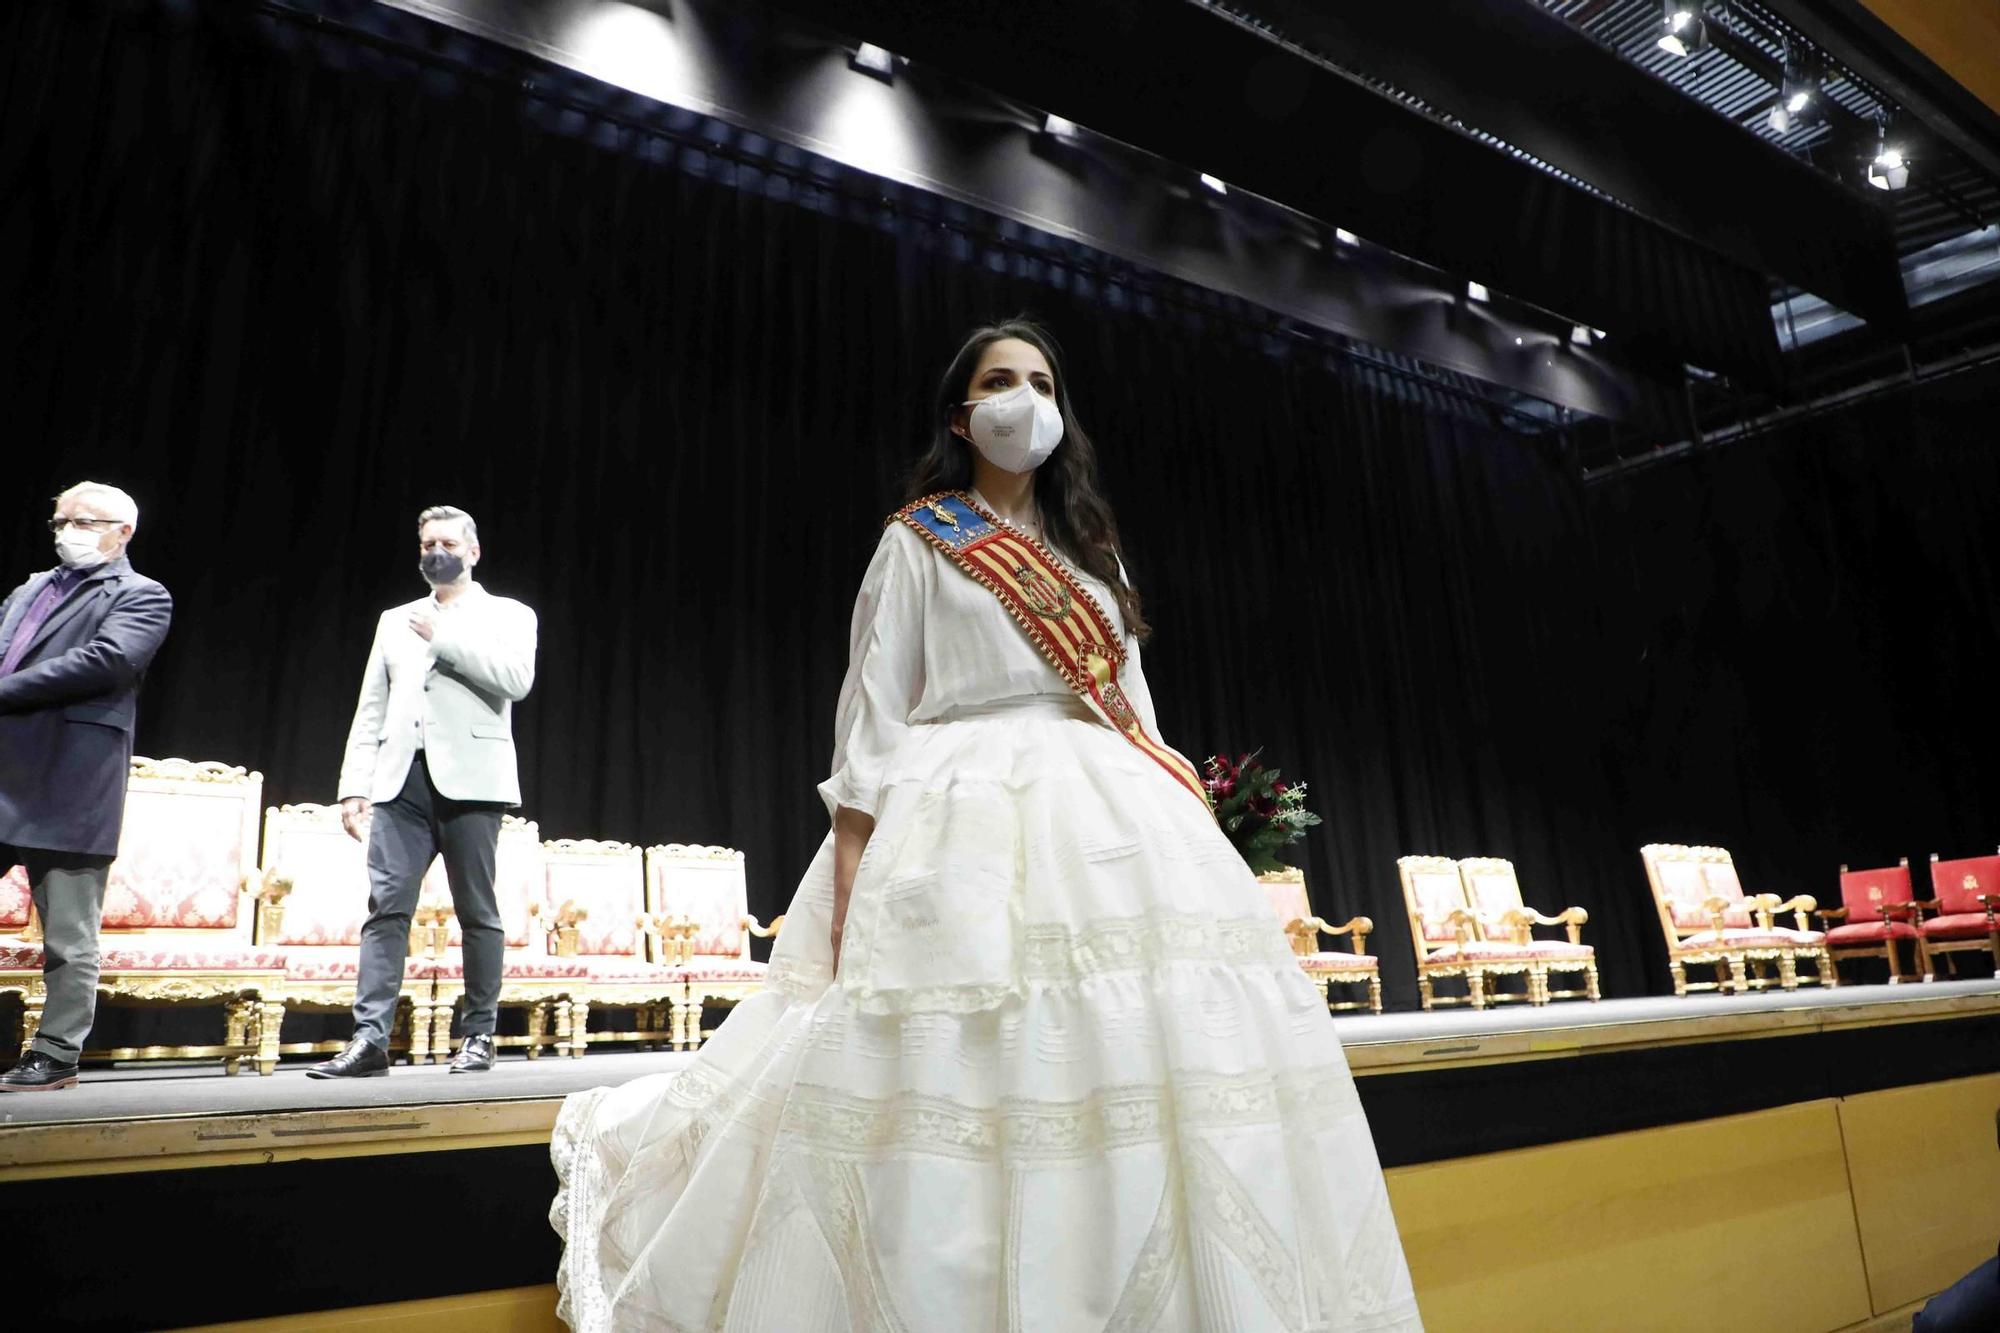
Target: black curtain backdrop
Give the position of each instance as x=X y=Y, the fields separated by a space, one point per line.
x=289 y=289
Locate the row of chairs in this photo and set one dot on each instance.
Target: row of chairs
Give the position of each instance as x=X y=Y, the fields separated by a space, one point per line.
x=1880 y=913
x=195 y=916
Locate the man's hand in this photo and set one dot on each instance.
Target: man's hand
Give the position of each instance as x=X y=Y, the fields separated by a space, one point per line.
x=354 y=817
x=423 y=624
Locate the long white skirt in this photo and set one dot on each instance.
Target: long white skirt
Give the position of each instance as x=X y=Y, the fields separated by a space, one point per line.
x=1069 y=1078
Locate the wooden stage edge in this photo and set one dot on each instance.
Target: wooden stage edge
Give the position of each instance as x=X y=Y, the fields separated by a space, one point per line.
x=182 y=1141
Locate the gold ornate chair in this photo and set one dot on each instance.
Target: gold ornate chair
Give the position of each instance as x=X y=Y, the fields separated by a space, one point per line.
x=177 y=917
x=594 y=910
x=1965 y=895
x=530 y=977
x=1493 y=893
x=312 y=903
x=1707 y=919
x=1443 y=931
x=700 y=907
x=1286 y=891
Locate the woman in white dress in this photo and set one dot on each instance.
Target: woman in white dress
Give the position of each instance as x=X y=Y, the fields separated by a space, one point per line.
x=1033 y=1054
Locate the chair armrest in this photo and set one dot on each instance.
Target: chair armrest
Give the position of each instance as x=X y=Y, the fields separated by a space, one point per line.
x=1358 y=928
x=1840 y=913
x=272 y=890
x=1464 y=922
x=1718 y=906
x=762 y=931
x=1798 y=906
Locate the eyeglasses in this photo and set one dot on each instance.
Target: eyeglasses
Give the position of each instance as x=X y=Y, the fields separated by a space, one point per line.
x=90 y=524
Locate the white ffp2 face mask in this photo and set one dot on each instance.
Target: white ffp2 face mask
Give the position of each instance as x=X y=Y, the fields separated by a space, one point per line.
x=1016 y=430
x=77 y=549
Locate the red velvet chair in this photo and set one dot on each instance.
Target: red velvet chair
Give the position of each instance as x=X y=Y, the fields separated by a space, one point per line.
x=1964 y=894
x=1874 y=917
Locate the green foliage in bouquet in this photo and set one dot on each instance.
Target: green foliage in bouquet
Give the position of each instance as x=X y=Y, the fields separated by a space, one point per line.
x=1259 y=813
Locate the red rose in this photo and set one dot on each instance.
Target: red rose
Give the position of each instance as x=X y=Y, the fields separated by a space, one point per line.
x=1263 y=806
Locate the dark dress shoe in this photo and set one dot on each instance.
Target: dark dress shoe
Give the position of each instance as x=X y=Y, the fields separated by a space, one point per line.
x=475 y=1054
x=361 y=1059
x=38 y=1071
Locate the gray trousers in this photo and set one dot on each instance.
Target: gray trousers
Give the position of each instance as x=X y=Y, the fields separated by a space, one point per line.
x=403 y=837
x=69 y=898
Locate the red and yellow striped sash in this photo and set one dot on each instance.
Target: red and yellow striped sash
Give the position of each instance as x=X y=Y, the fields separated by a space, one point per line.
x=1059 y=616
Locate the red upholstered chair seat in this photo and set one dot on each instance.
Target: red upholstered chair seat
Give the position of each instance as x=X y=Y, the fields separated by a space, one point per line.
x=1541 y=951
x=526 y=967
x=1956 y=926
x=723 y=969
x=175 y=959
x=1337 y=962
x=345 y=967
x=1871 y=932
x=1754 y=939
x=20 y=957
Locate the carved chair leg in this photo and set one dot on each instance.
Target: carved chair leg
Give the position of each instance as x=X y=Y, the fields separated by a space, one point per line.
x=441 y=1033
x=579 y=1027
x=562 y=1026
x=1895 y=957
x=1829 y=975
x=235 y=1027
x=1739 y=975
x=1475 y=987
x=1924 y=958
x=1679 y=970
x=1374 y=993
x=677 y=1024
x=31 y=1014
x=538 y=1026
x=1788 y=970
x=1424 y=991
x=270 y=1022
x=1538 y=986
x=1590 y=980
x=420 y=1032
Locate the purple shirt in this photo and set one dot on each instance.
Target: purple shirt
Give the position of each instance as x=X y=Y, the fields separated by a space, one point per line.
x=39 y=611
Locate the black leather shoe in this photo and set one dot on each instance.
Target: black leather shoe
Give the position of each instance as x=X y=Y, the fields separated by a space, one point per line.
x=38 y=1071
x=475 y=1054
x=362 y=1059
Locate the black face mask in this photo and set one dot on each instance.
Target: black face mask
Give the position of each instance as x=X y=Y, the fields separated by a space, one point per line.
x=441 y=567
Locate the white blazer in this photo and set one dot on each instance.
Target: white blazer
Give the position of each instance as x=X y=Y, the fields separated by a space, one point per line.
x=453 y=696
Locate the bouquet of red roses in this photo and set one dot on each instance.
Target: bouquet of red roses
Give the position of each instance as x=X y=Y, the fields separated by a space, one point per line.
x=1259 y=812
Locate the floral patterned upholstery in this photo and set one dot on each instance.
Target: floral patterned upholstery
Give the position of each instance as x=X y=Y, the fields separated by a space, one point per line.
x=175 y=958
x=344 y=965
x=607 y=880
x=723 y=969
x=1538 y=952
x=187 y=848
x=1338 y=962
x=1438 y=894
x=1686 y=885
x=706 y=885
x=1753 y=939
x=15 y=899
x=626 y=969
x=518 y=875
x=1957 y=926
x=521 y=968
x=329 y=874
x=17 y=957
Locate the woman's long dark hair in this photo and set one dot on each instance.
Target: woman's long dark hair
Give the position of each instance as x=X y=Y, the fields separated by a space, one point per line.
x=1076 y=518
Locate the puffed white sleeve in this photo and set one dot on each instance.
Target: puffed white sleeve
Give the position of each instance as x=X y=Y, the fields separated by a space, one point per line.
x=885 y=672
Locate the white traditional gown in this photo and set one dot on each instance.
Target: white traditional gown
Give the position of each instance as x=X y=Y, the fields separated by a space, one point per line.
x=1068 y=1078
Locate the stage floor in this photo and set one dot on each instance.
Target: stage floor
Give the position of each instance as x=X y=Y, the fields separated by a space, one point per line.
x=157 y=1117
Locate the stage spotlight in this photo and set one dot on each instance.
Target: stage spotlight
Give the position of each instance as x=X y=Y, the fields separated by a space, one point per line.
x=1890 y=170
x=1058 y=128
x=1476 y=291
x=1345 y=237
x=873 y=60
x=1213 y=183
x=1683 y=30
x=1798 y=103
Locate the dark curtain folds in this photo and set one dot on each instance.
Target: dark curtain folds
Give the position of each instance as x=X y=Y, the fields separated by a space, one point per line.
x=288 y=298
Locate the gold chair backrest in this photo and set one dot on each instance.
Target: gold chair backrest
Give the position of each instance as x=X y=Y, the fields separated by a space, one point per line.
x=1432 y=891
x=701 y=894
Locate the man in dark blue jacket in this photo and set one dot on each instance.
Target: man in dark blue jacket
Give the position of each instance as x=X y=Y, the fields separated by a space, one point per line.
x=74 y=645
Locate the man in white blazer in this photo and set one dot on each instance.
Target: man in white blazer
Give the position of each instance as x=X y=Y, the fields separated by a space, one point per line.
x=429 y=768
